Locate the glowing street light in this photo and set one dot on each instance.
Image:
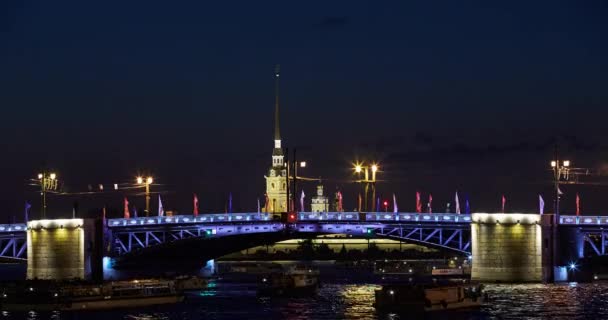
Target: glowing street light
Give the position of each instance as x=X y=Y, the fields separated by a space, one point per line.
x=303 y=164
x=361 y=167
x=147 y=182
x=48 y=182
x=560 y=170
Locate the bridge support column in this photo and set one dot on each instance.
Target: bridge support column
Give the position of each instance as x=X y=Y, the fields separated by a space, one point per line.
x=63 y=249
x=510 y=248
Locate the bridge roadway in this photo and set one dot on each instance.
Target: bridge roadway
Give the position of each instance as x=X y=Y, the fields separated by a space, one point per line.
x=441 y=230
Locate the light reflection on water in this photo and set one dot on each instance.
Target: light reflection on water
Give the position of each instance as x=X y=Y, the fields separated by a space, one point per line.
x=354 y=301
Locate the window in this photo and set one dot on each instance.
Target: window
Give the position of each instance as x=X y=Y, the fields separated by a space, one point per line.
x=272 y=186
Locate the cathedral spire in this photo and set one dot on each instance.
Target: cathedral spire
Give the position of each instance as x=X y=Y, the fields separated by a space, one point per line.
x=277 y=130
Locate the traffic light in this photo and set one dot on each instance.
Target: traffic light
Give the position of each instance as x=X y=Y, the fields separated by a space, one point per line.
x=208 y=232
x=370 y=231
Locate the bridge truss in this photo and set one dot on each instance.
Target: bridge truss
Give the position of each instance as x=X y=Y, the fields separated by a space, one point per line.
x=13 y=245
x=126 y=240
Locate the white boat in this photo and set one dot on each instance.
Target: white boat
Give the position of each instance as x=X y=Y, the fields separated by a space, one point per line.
x=121 y=294
x=295 y=280
x=428 y=298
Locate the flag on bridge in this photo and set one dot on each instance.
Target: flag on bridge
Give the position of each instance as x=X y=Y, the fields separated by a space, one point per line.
x=135 y=211
x=378 y=204
x=504 y=201
x=541 y=204
x=578 y=205
x=418 y=203
x=302 y=201
x=340 y=208
x=359 y=201
x=430 y=204
x=258 y=205
x=457 y=202
x=28 y=206
x=103 y=216
x=230 y=202
x=126 y=209
x=195 y=208
x=395 y=209
x=161 y=211
x=467 y=207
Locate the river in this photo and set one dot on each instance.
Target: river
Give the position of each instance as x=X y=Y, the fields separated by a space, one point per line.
x=354 y=301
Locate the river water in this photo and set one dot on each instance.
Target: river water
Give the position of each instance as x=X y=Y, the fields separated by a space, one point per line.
x=354 y=301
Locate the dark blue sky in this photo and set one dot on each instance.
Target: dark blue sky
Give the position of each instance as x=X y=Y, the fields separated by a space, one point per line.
x=466 y=95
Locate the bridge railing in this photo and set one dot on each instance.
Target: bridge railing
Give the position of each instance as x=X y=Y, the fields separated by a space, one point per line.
x=583 y=220
x=15 y=227
x=190 y=219
x=385 y=217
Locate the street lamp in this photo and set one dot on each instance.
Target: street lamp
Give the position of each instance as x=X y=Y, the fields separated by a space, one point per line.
x=560 y=170
x=361 y=167
x=48 y=182
x=147 y=182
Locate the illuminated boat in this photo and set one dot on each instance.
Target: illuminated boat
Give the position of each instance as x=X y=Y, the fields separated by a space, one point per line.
x=428 y=298
x=295 y=280
x=121 y=294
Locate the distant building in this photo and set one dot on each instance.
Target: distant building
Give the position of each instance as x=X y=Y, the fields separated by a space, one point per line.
x=276 y=180
x=320 y=203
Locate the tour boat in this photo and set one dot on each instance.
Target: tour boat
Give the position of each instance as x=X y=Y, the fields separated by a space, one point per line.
x=295 y=280
x=428 y=298
x=121 y=294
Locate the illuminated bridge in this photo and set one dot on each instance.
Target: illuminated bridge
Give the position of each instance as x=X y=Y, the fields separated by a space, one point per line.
x=448 y=231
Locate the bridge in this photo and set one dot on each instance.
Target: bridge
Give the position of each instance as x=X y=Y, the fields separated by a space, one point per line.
x=437 y=230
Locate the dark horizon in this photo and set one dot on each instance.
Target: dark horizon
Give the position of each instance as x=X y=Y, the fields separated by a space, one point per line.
x=469 y=97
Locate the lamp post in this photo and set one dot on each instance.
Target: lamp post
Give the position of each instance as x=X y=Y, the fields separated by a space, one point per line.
x=301 y=164
x=560 y=169
x=360 y=167
x=146 y=182
x=48 y=182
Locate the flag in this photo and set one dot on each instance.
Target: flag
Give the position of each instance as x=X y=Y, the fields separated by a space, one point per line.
x=195 y=205
x=457 y=201
x=541 y=204
x=135 y=211
x=161 y=211
x=418 y=203
x=578 y=205
x=230 y=202
x=28 y=206
x=504 y=201
x=359 y=201
x=340 y=201
x=302 y=201
x=258 y=205
x=430 y=205
x=395 y=208
x=103 y=216
x=467 y=207
x=126 y=209
x=559 y=191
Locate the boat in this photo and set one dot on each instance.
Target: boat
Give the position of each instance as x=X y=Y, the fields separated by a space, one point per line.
x=295 y=280
x=422 y=298
x=190 y=283
x=75 y=297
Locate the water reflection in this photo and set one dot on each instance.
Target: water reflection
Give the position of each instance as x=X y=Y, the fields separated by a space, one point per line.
x=355 y=301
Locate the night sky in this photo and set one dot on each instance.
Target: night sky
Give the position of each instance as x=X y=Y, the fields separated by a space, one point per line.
x=445 y=95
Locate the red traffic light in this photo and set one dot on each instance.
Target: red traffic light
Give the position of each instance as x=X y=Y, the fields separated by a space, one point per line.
x=386 y=203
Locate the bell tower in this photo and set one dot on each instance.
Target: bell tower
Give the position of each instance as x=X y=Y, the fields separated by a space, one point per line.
x=276 y=180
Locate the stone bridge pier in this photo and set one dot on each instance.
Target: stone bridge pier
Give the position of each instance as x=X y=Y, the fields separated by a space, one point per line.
x=513 y=247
